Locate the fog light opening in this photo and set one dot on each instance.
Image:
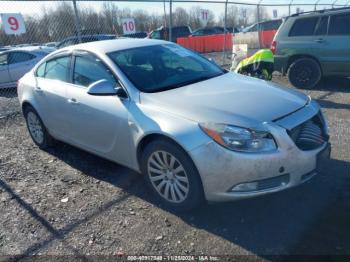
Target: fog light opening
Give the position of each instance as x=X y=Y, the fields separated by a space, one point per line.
x=246 y=187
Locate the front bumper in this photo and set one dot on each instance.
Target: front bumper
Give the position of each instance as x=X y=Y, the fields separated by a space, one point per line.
x=221 y=169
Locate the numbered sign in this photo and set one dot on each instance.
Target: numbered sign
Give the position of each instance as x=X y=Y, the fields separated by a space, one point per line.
x=275 y=13
x=128 y=25
x=13 y=24
x=204 y=16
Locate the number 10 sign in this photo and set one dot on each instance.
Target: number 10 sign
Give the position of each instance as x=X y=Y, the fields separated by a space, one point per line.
x=13 y=24
x=128 y=25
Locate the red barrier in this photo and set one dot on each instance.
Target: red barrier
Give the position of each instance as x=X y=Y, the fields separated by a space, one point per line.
x=266 y=38
x=206 y=44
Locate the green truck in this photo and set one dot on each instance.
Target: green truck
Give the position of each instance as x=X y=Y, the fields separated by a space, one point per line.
x=313 y=45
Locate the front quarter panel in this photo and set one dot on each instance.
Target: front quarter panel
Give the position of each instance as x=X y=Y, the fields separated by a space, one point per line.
x=146 y=120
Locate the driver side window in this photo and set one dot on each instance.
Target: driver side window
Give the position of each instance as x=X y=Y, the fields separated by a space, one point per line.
x=88 y=69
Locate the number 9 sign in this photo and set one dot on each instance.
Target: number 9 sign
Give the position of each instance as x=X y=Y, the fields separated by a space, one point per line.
x=13 y=24
x=128 y=25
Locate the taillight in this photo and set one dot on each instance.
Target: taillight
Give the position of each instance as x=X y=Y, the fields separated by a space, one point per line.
x=17 y=83
x=274 y=47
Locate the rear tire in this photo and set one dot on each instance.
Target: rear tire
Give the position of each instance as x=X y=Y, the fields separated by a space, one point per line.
x=171 y=175
x=304 y=73
x=37 y=129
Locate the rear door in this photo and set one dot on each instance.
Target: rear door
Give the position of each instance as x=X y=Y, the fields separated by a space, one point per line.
x=338 y=45
x=4 y=71
x=19 y=64
x=50 y=93
x=308 y=37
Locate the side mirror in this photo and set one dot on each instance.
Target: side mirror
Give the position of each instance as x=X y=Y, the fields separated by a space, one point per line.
x=105 y=88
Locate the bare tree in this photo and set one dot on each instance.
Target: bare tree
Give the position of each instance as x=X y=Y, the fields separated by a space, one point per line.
x=180 y=17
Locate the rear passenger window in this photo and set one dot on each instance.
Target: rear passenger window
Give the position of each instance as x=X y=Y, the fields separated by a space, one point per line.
x=40 y=72
x=322 y=26
x=19 y=57
x=340 y=25
x=57 y=69
x=304 y=27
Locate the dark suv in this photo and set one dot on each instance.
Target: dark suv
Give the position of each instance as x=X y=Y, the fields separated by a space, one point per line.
x=177 y=31
x=311 y=45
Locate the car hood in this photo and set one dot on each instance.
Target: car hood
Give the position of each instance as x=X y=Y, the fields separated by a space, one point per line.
x=230 y=98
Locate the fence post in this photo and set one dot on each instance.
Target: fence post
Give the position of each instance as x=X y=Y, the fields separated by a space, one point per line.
x=316 y=4
x=225 y=35
x=77 y=20
x=165 y=20
x=290 y=5
x=170 y=20
x=258 y=20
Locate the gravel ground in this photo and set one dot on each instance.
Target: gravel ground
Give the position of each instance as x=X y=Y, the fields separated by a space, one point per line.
x=66 y=201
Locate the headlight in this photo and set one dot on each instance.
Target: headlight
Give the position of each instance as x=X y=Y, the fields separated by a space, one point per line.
x=240 y=139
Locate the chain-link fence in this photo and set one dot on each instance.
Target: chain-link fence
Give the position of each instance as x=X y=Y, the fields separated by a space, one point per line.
x=48 y=23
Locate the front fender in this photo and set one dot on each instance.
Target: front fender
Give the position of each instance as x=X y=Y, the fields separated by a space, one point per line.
x=146 y=120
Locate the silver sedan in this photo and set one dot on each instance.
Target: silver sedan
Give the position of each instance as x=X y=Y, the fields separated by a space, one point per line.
x=195 y=131
x=14 y=63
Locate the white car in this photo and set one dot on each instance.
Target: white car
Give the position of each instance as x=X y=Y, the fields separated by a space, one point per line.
x=16 y=62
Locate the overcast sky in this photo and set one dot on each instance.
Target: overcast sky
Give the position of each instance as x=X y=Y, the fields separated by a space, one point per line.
x=32 y=7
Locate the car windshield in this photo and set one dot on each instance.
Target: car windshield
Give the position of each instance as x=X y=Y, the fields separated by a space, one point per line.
x=162 y=67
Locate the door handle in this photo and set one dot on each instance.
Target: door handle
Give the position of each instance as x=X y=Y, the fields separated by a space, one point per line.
x=320 y=40
x=73 y=101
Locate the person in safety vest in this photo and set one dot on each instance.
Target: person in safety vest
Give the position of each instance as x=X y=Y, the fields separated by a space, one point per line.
x=259 y=65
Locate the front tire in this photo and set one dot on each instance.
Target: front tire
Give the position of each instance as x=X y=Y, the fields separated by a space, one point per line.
x=304 y=73
x=171 y=175
x=37 y=129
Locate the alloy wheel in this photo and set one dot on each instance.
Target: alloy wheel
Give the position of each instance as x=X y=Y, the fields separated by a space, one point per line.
x=168 y=176
x=35 y=127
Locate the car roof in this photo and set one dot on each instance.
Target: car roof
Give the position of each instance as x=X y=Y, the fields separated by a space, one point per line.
x=89 y=36
x=321 y=13
x=107 y=46
x=31 y=49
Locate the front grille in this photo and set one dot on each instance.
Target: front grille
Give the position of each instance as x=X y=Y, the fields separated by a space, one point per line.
x=310 y=135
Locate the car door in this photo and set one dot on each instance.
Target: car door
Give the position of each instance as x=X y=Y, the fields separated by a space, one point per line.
x=4 y=71
x=308 y=37
x=19 y=64
x=50 y=94
x=338 y=49
x=97 y=122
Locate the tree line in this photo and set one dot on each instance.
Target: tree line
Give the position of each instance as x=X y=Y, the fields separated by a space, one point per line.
x=55 y=24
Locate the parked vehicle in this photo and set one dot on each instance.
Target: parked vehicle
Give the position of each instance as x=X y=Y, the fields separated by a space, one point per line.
x=208 y=31
x=312 y=45
x=16 y=62
x=259 y=35
x=2 y=49
x=52 y=44
x=136 y=35
x=162 y=33
x=194 y=130
x=213 y=31
x=73 y=40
